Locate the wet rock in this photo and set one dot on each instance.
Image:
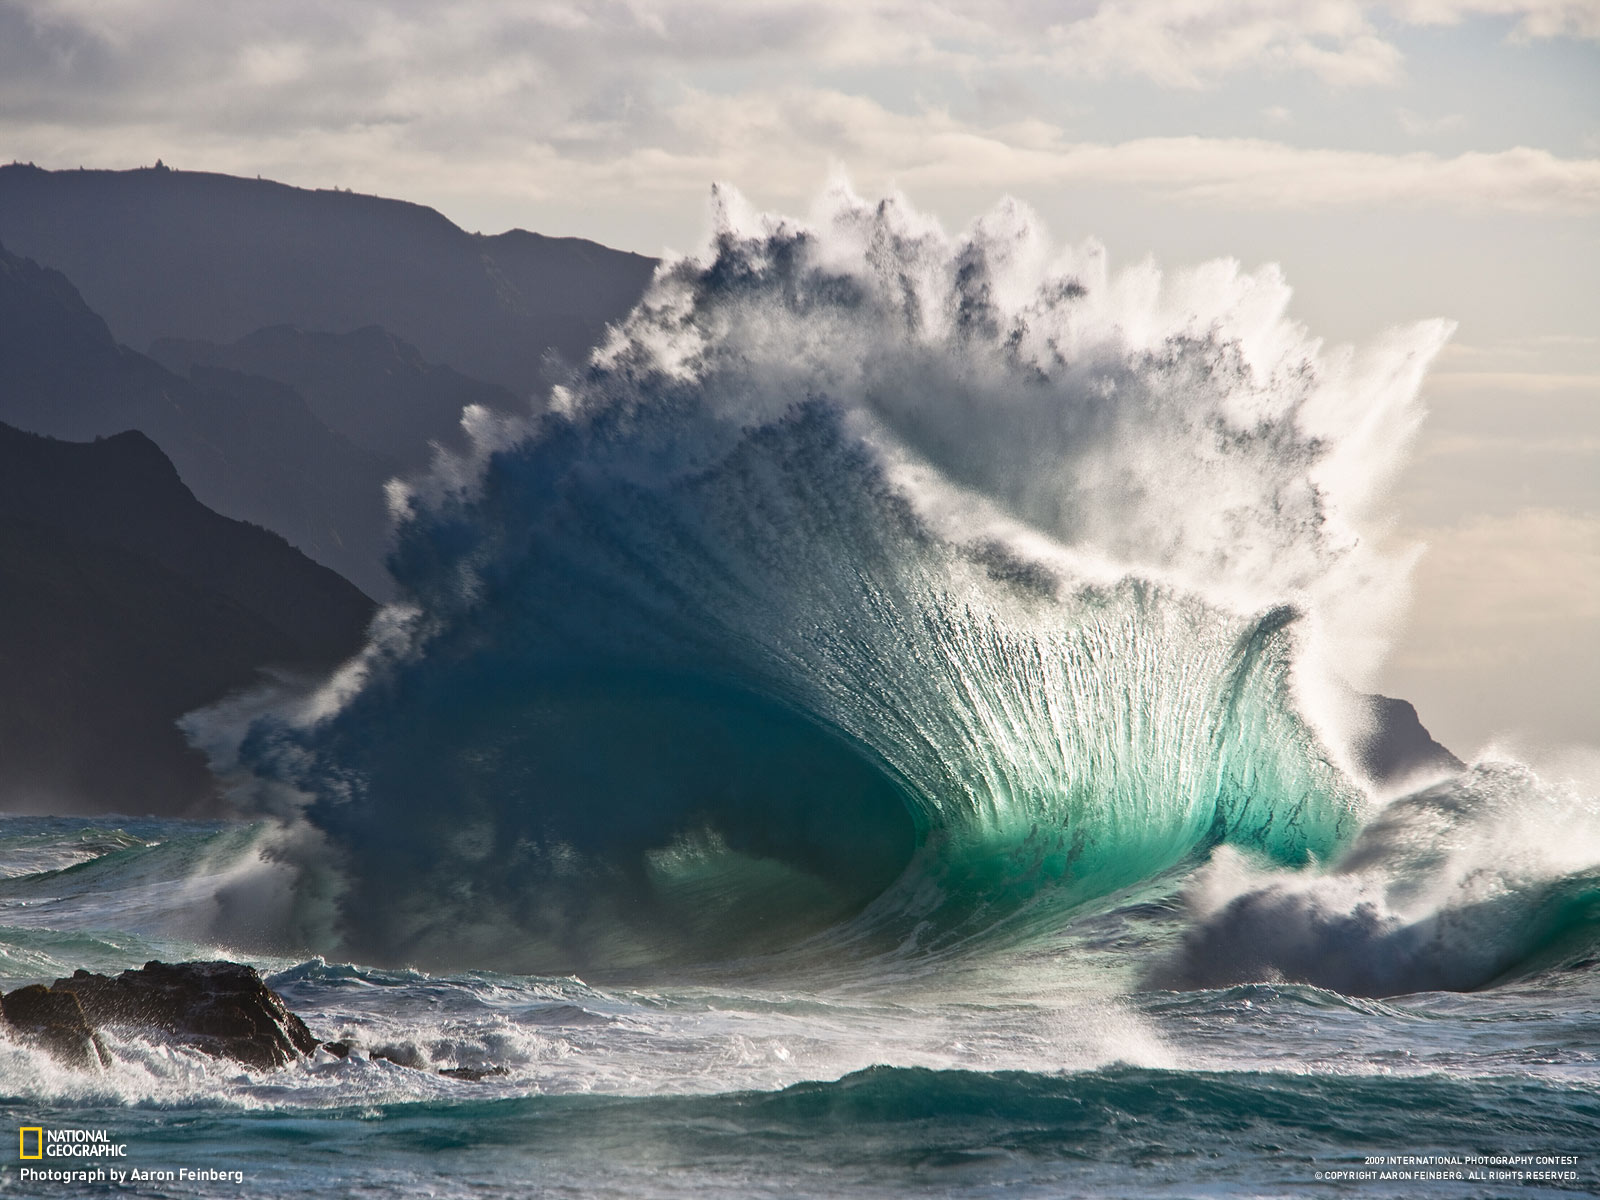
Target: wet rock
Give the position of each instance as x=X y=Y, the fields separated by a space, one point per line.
x=55 y=1021
x=404 y=1054
x=412 y=1057
x=221 y=1008
x=475 y=1074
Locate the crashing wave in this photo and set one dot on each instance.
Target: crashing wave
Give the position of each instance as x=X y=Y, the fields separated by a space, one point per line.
x=1493 y=873
x=868 y=575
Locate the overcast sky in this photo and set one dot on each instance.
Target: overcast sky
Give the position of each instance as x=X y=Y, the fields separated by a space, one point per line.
x=1400 y=160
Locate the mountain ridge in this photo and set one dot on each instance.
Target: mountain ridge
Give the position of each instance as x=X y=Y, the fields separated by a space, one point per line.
x=125 y=603
x=235 y=255
x=249 y=449
x=369 y=386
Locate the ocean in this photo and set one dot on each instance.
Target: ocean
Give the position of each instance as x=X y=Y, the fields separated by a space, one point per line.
x=884 y=726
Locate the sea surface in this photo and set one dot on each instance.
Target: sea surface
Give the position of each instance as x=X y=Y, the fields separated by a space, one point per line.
x=889 y=724
x=1037 y=1070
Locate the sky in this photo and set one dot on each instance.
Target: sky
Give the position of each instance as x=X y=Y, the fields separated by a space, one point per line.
x=1400 y=160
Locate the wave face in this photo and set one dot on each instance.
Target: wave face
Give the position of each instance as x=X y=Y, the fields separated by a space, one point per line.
x=1489 y=875
x=868 y=579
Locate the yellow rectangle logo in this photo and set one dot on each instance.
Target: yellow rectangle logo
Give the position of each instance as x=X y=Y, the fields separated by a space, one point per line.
x=38 y=1141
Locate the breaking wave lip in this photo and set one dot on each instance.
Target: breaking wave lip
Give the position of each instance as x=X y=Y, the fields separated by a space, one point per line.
x=868 y=579
x=1481 y=879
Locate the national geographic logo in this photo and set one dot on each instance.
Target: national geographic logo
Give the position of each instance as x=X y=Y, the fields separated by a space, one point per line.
x=78 y=1156
x=34 y=1142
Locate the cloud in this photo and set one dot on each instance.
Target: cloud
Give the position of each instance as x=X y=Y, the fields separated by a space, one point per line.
x=383 y=56
x=647 y=101
x=1557 y=364
x=625 y=145
x=1189 y=43
x=1529 y=347
x=1532 y=18
x=1261 y=174
x=934 y=148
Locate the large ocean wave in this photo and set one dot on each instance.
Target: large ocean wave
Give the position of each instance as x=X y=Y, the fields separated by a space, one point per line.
x=869 y=585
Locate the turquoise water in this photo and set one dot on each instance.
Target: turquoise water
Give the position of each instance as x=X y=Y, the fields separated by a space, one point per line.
x=1044 y=1069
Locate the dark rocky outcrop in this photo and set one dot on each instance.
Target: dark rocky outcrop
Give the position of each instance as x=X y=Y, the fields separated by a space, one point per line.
x=1397 y=746
x=402 y=1054
x=412 y=1057
x=55 y=1020
x=473 y=1074
x=221 y=1008
x=125 y=603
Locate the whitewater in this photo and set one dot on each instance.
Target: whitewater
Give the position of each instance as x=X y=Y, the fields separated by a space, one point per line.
x=888 y=723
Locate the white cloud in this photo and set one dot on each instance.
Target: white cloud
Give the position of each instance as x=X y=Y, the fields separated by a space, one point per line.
x=1189 y=43
x=649 y=100
x=1533 y=18
x=789 y=138
x=1186 y=43
x=358 y=46
x=934 y=148
x=1260 y=174
x=1534 y=346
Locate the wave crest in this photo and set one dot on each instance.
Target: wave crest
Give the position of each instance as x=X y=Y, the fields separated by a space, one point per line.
x=863 y=570
x=1491 y=874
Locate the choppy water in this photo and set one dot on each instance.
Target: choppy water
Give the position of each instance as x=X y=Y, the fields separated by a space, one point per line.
x=882 y=727
x=1044 y=1070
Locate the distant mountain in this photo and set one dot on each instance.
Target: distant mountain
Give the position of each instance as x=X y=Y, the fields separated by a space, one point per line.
x=182 y=254
x=1398 y=746
x=124 y=603
x=369 y=386
x=249 y=447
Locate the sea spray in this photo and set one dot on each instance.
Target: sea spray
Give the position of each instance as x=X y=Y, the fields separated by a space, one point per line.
x=864 y=570
x=1490 y=873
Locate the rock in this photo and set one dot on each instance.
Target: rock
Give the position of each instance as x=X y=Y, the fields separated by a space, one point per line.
x=475 y=1074
x=221 y=1008
x=411 y=1056
x=56 y=1021
x=406 y=1055
x=1397 y=746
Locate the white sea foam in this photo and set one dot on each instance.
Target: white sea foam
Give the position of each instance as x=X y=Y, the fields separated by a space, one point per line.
x=1448 y=888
